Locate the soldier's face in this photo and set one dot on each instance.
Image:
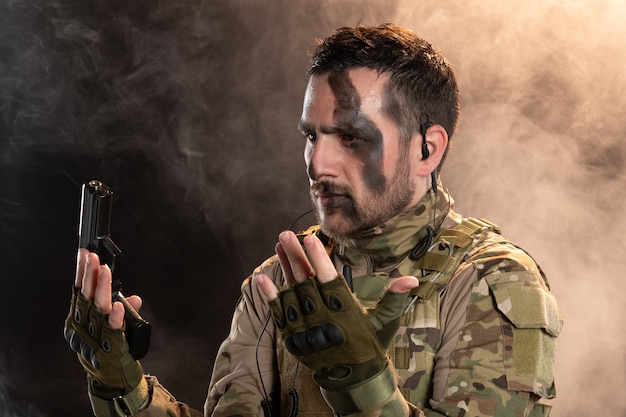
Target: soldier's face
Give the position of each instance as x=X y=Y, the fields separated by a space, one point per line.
x=360 y=173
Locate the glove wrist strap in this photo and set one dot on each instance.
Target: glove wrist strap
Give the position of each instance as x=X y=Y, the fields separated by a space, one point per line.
x=364 y=396
x=123 y=405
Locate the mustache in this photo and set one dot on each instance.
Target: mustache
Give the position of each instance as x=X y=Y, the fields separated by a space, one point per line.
x=328 y=188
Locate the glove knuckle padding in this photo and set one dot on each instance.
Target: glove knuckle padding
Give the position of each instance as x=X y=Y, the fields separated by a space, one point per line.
x=327 y=329
x=101 y=350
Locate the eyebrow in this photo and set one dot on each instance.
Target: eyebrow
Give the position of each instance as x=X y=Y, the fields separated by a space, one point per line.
x=307 y=127
x=304 y=127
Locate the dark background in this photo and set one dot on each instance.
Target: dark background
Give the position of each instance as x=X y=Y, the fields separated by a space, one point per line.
x=188 y=110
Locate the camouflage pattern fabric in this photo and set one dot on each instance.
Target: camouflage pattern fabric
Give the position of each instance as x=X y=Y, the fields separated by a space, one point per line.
x=482 y=344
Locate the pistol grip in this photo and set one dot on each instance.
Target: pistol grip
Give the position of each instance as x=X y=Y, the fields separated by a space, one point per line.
x=137 y=331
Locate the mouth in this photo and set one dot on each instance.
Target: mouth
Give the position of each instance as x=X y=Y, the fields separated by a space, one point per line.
x=328 y=197
x=329 y=200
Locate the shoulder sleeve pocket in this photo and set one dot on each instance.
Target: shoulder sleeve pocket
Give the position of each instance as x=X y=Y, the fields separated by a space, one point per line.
x=535 y=322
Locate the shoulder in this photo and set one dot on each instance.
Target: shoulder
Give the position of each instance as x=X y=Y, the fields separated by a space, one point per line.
x=496 y=254
x=473 y=248
x=498 y=276
x=507 y=274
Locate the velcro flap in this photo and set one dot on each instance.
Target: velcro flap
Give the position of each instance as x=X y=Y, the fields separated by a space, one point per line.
x=529 y=350
x=524 y=299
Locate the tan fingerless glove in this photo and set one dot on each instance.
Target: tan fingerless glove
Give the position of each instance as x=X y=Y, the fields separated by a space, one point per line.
x=325 y=327
x=115 y=378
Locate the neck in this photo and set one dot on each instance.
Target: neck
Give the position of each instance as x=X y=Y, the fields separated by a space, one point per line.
x=393 y=240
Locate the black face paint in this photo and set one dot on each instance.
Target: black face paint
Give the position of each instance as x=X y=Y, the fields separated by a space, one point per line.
x=349 y=118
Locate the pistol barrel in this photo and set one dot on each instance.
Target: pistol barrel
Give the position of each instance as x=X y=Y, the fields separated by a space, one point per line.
x=94 y=230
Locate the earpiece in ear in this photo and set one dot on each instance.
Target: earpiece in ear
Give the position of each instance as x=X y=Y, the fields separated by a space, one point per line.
x=425 y=151
x=423 y=128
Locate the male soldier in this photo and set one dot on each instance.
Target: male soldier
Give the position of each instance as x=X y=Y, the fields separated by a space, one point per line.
x=394 y=305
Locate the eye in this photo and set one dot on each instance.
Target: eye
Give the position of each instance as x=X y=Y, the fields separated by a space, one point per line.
x=351 y=140
x=310 y=136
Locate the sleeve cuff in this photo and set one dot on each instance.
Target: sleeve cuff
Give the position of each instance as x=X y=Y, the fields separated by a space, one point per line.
x=123 y=405
x=369 y=394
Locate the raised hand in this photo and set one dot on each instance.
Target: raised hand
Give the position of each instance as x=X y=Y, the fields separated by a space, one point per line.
x=322 y=323
x=94 y=328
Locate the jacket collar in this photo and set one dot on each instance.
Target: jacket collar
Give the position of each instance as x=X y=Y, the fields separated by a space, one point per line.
x=390 y=242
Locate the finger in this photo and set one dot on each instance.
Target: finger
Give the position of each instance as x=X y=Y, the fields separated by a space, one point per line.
x=403 y=284
x=116 y=317
x=300 y=266
x=90 y=275
x=135 y=302
x=284 y=264
x=322 y=264
x=117 y=314
x=267 y=287
x=102 y=297
x=81 y=259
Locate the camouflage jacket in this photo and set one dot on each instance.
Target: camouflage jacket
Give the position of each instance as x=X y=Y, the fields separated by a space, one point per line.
x=481 y=342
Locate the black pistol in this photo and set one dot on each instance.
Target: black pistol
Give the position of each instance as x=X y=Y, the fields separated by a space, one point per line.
x=95 y=219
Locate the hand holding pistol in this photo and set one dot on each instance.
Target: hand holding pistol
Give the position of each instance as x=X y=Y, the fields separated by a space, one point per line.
x=94 y=235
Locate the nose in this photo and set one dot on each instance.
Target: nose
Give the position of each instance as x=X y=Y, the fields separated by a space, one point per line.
x=322 y=158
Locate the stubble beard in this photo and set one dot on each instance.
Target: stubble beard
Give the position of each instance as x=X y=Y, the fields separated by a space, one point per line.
x=376 y=207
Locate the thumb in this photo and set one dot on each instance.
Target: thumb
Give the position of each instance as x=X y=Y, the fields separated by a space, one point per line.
x=386 y=315
x=403 y=284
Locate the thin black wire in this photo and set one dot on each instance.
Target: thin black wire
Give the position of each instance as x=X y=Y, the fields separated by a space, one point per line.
x=265 y=403
x=298 y=218
x=293 y=393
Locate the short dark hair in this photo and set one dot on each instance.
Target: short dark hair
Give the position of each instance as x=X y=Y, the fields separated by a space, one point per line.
x=422 y=86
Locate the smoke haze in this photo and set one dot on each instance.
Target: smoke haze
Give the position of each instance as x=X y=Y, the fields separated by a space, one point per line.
x=188 y=110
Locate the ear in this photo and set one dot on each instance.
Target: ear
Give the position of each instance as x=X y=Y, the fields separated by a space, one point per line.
x=436 y=143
